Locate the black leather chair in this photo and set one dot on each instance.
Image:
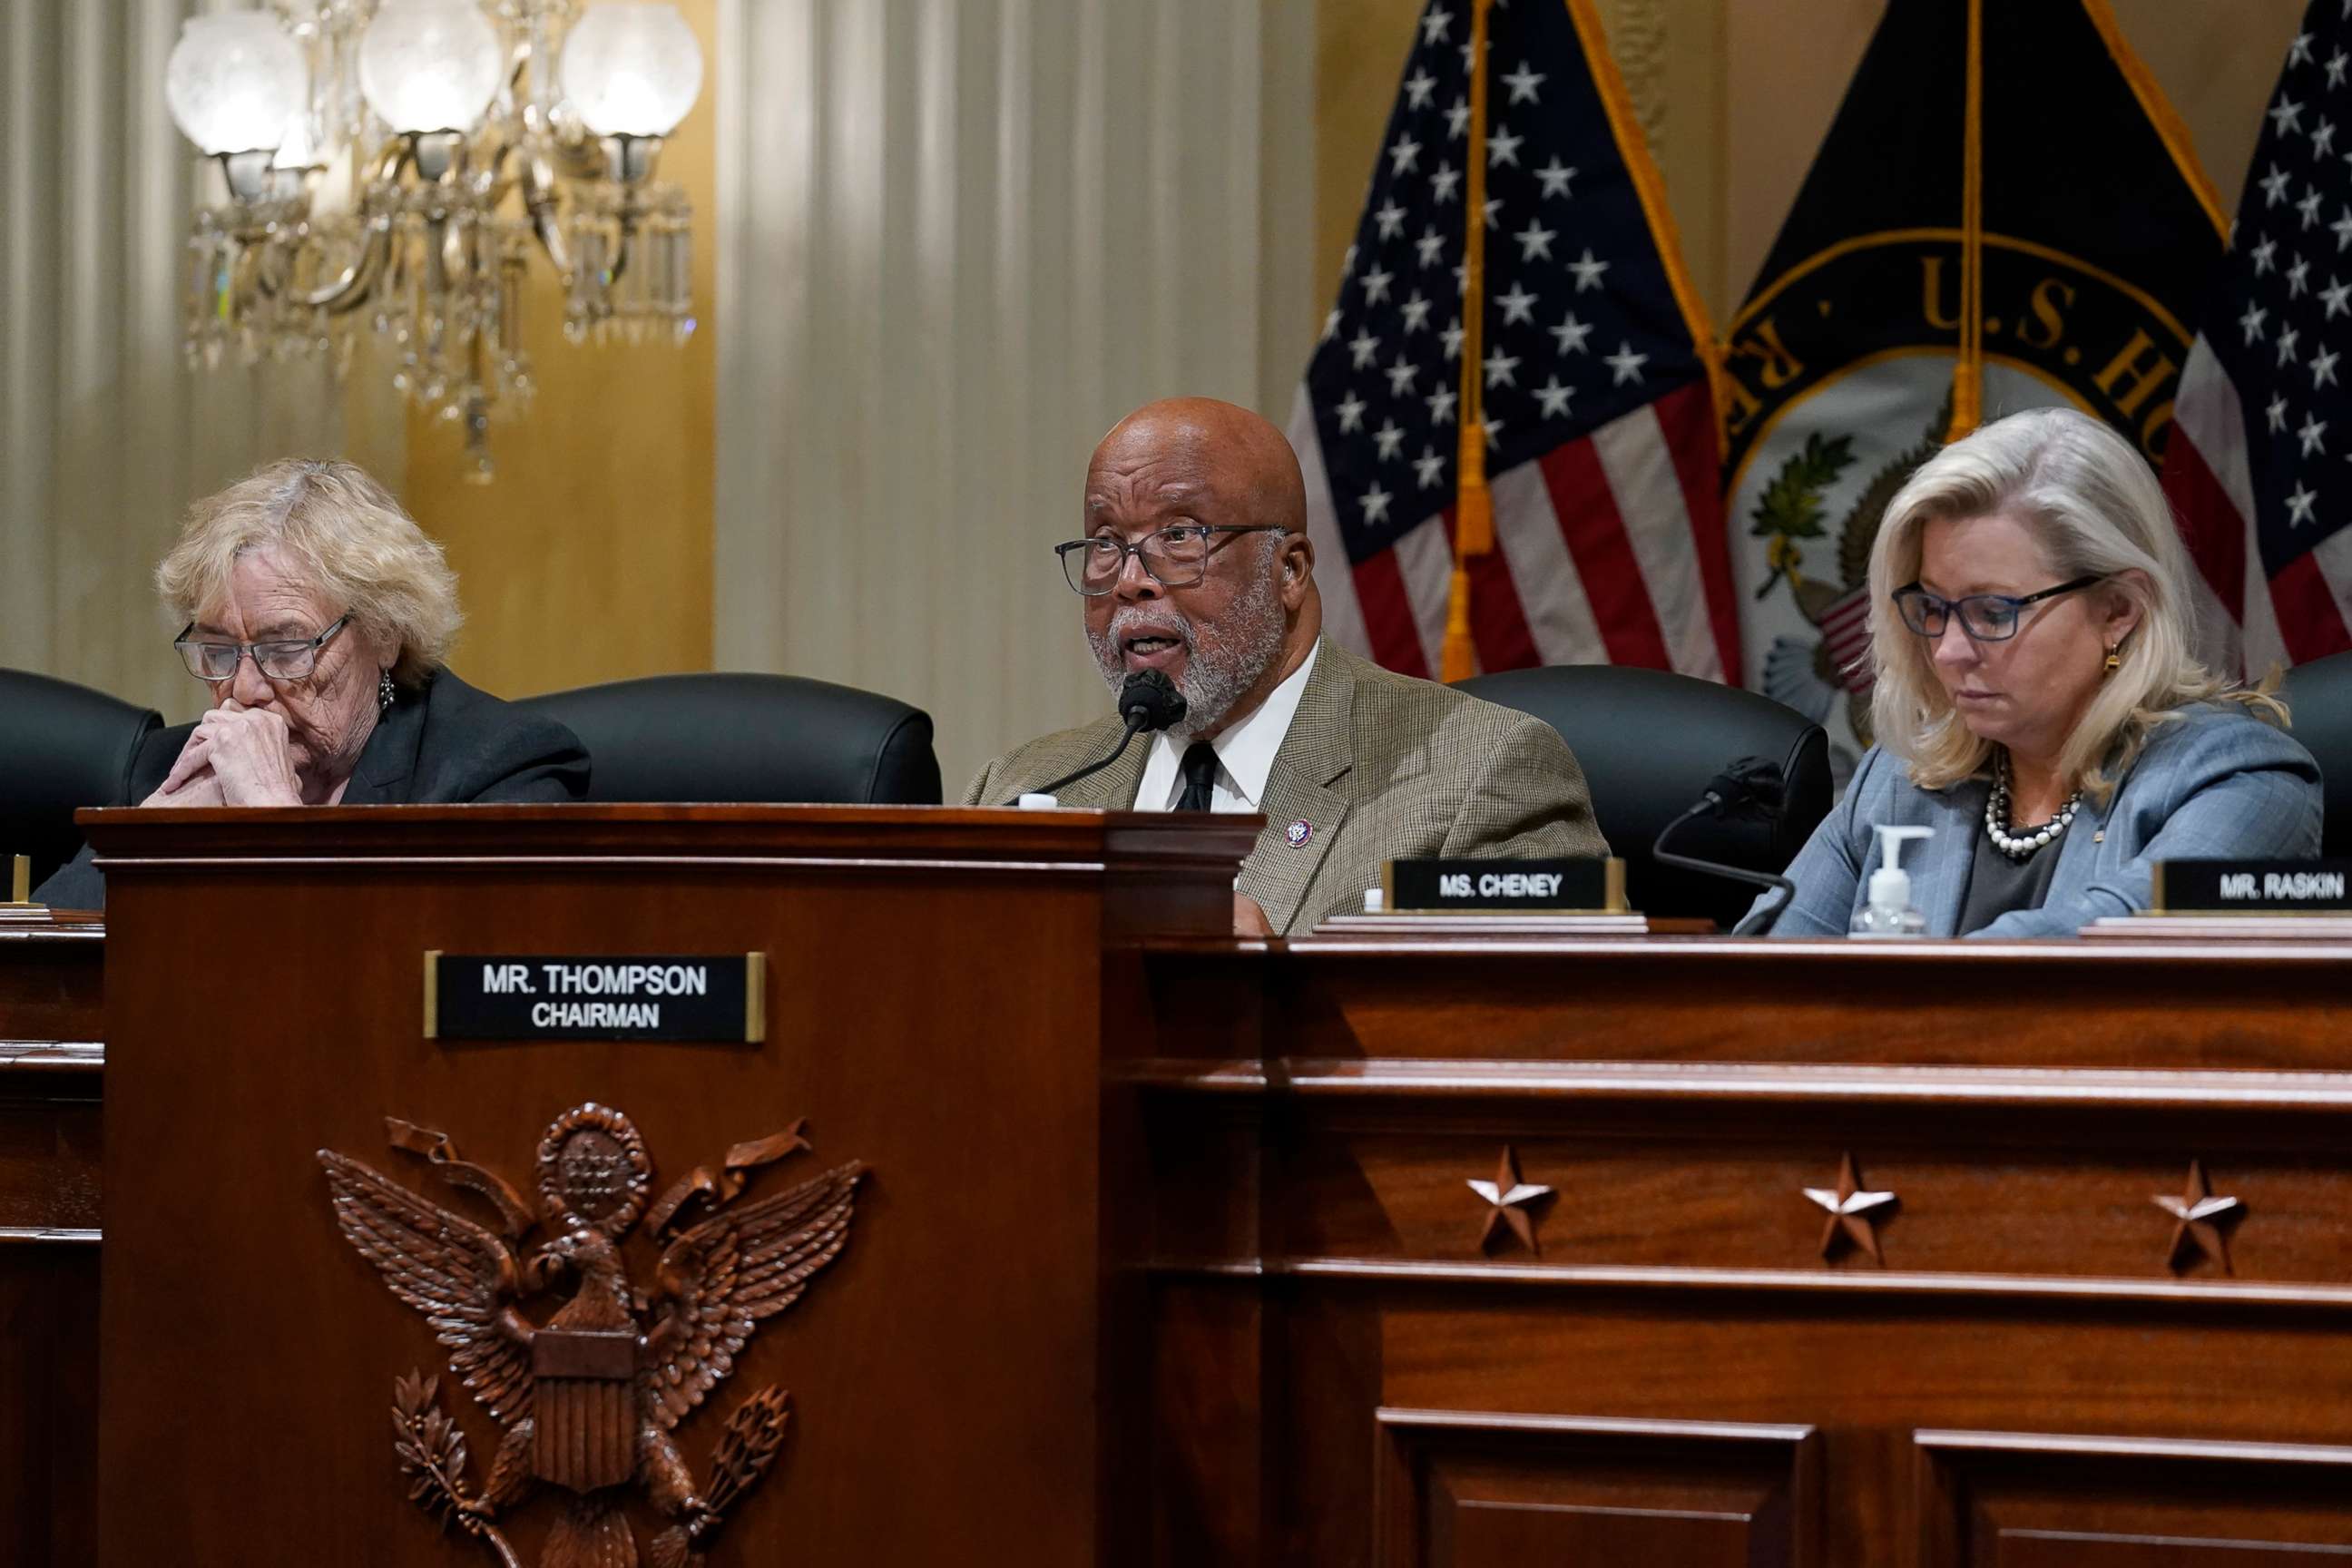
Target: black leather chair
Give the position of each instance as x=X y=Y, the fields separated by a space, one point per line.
x=747 y=739
x=62 y=747
x=1649 y=742
x=2319 y=697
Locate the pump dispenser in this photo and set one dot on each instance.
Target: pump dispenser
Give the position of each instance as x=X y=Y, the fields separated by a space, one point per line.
x=1889 y=910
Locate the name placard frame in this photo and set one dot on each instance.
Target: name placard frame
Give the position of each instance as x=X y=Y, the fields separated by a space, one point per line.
x=696 y=998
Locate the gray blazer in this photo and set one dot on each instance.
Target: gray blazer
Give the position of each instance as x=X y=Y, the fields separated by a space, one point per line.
x=1379 y=766
x=2218 y=783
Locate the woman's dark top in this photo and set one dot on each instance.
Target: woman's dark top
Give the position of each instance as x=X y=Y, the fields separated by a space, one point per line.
x=440 y=744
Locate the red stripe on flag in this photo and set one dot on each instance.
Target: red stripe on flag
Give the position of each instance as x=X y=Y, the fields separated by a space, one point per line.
x=1498 y=620
x=1604 y=557
x=1687 y=419
x=2210 y=524
x=1387 y=615
x=2309 y=622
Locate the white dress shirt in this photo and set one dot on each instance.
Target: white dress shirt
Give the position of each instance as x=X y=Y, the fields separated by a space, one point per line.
x=1246 y=752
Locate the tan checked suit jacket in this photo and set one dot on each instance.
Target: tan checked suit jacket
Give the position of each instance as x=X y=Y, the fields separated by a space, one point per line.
x=1379 y=766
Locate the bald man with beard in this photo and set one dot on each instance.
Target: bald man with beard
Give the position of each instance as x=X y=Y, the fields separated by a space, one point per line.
x=1197 y=564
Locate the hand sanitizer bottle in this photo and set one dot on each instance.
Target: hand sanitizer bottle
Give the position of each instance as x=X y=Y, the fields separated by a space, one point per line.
x=1889 y=910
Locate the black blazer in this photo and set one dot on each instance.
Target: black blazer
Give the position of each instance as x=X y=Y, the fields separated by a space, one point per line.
x=443 y=742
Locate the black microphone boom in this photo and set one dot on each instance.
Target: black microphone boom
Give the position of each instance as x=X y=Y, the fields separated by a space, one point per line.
x=1751 y=784
x=1149 y=700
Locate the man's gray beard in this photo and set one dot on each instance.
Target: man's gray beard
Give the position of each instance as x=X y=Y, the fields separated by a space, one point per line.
x=1216 y=671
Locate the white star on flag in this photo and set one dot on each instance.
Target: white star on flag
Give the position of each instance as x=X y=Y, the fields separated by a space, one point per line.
x=1536 y=240
x=1376 y=286
x=1502 y=148
x=1388 y=438
x=1433 y=27
x=1417 y=88
x=1570 y=335
x=1457 y=119
x=1429 y=468
x=2286 y=116
x=1555 y=176
x=2311 y=429
x=1416 y=313
x=1554 y=397
x=2251 y=323
x=1494 y=428
x=2299 y=505
x=1518 y=305
x=2276 y=414
x=1453 y=338
x=1626 y=363
x=2323 y=368
x=1400 y=376
x=1523 y=83
x=2266 y=257
x=1440 y=406
x=1351 y=413
x=1391 y=220
x=2337 y=296
x=1588 y=271
x=1375 y=502
x=1432 y=246
x=1405 y=154
x=1442 y=182
x=1499 y=369
x=2296 y=276
x=1363 y=345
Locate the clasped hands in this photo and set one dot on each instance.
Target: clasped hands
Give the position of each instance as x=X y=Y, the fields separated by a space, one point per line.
x=238 y=756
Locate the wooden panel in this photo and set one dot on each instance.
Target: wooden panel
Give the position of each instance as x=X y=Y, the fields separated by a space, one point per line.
x=2000 y=1500
x=49 y=1405
x=1472 y=1489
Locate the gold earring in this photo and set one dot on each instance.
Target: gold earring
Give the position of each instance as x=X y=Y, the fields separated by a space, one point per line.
x=2115 y=659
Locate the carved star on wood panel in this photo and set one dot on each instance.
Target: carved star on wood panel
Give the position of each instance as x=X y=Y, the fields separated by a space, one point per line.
x=1510 y=1201
x=1850 y=1211
x=2200 y=1220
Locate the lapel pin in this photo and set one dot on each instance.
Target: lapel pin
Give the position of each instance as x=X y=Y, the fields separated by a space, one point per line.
x=1300 y=833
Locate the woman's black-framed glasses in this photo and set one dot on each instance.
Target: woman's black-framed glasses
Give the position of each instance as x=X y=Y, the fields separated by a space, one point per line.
x=1986 y=617
x=1176 y=557
x=276 y=660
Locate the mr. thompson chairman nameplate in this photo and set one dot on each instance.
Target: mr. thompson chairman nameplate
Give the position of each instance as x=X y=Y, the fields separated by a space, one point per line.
x=536 y=997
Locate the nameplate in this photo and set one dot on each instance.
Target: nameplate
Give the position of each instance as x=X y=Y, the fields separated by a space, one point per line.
x=1586 y=886
x=2253 y=887
x=537 y=996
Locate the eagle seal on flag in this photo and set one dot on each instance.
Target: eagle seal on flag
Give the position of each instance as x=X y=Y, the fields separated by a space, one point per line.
x=588 y=1399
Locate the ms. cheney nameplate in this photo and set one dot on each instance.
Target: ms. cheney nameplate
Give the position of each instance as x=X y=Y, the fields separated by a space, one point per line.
x=542 y=996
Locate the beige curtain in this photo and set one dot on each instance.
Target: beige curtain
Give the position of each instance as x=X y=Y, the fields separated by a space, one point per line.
x=958 y=239
x=104 y=434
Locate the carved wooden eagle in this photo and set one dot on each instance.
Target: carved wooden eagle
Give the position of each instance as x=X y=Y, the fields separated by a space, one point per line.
x=588 y=1399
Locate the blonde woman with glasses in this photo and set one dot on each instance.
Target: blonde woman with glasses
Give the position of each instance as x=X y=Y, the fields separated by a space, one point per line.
x=318 y=615
x=2038 y=704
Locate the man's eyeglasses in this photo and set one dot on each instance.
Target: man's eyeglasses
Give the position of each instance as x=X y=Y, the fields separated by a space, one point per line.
x=1986 y=617
x=1176 y=557
x=276 y=660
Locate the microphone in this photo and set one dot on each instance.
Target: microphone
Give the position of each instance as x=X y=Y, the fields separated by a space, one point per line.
x=1749 y=787
x=1149 y=700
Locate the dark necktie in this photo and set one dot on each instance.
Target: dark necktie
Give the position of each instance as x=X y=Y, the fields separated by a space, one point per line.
x=1200 y=767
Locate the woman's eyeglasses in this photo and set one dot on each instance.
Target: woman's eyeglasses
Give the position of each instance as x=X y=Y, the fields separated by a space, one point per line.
x=285 y=660
x=1986 y=617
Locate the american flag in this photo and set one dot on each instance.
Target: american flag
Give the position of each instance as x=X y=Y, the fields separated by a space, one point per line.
x=2259 y=463
x=1599 y=418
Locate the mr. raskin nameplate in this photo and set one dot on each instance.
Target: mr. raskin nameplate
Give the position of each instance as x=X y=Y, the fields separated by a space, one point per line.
x=2253 y=887
x=1587 y=885
x=540 y=996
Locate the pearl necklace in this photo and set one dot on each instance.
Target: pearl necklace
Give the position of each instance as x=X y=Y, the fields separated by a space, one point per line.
x=2018 y=846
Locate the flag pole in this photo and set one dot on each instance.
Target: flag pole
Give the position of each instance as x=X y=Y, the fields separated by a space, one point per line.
x=1474 y=506
x=1968 y=372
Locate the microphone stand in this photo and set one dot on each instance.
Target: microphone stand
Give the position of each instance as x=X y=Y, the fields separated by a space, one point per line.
x=1138 y=719
x=1760 y=920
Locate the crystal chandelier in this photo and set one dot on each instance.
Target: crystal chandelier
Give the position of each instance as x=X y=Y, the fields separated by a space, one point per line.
x=397 y=161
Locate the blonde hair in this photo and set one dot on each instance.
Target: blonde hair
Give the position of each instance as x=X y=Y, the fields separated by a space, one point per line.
x=2094 y=506
x=345 y=534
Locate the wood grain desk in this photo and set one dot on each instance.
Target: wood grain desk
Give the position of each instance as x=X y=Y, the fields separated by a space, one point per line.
x=1849 y=1255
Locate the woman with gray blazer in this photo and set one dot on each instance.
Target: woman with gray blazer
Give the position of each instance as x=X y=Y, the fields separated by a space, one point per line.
x=2038 y=704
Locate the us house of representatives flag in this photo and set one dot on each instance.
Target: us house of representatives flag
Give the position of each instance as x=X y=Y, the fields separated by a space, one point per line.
x=2005 y=215
x=2260 y=466
x=1599 y=425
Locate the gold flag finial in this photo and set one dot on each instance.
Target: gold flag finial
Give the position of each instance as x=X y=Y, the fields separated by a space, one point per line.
x=1474 y=505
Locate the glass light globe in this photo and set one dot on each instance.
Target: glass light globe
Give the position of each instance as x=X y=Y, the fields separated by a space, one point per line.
x=430 y=64
x=234 y=82
x=632 y=69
